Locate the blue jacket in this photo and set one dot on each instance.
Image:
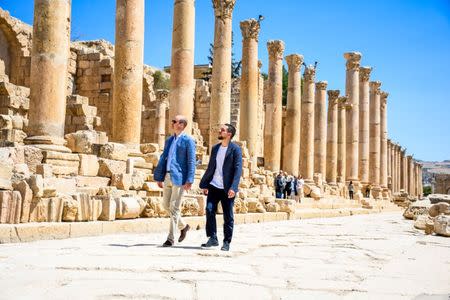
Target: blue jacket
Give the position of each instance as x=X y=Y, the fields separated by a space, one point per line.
x=182 y=166
x=232 y=168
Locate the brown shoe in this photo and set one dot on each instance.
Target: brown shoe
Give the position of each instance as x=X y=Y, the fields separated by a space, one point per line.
x=167 y=244
x=183 y=233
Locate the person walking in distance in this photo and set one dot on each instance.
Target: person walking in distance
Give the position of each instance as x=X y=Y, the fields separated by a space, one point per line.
x=174 y=174
x=350 y=190
x=220 y=183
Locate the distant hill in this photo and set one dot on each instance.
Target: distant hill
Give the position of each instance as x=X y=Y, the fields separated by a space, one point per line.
x=432 y=167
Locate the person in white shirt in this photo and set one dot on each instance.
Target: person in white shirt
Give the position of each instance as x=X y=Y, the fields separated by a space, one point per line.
x=300 y=183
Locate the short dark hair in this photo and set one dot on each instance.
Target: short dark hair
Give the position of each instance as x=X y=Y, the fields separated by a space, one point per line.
x=231 y=129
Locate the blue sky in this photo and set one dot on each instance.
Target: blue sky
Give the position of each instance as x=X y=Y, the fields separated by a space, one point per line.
x=406 y=41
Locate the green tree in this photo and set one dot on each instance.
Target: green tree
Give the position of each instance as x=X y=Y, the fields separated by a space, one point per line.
x=427 y=190
x=160 y=81
x=235 y=64
x=285 y=84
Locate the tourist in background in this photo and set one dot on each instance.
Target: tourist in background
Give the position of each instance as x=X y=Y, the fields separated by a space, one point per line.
x=300 y=183
x=350 y=190
x=279 y=185
x=288 y=187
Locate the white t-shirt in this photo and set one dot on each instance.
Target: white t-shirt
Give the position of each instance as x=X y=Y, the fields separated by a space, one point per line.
x=300 y=183
x=217 y=180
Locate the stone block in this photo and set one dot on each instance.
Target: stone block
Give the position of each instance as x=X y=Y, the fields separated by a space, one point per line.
x=137 y=180
x=61 y=185
x=272 y=207
x=55 y=209
x=32 y=157
x=287 y=206
x=149 y=148
x=70 y=209
x=439 y=208
x=85 y=181
x=114 y=151
x=127 y=208
x=88 y=165
x=153 y=208
x=45 y=170
x=6 y=172
x=39 y=210
x=27 y=195
x=108 y=208
x=240 y=206
x=189 y=206
x=254 y=206
x=108 y=167
x=152 y=158
x=36 y=183
x=55 y=156
x=442 y=225
x=121 y=181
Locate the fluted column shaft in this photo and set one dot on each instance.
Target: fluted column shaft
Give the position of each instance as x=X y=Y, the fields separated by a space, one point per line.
x=220 y=109
x=332 y=137
x=291 y=140
x=182 y=65
x=48 y=78
x=364 y=123
x=411 y=175
x=374 y=164
x=390 y=161
x=161 y=107
x=249 y=85
x=341 y=164
x=352 y=91
x=274 y=107
x=383 y=140
x=320 y=128
x=307 y=125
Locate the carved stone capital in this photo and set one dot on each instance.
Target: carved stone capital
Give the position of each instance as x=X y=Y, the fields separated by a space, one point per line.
x=275 y=49
x=342 y=102
x=310 y=74
x=259 y=64
x=321 y=85
x=353 y=60
x=364 y=73
x=250 y=29
x=294 y=62
x=333 y=96
x=223 y=8
x=162 y=95
x=375 y=87
x=384 y=96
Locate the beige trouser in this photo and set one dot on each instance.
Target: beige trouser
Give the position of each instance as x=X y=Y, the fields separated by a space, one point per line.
x=172 y=202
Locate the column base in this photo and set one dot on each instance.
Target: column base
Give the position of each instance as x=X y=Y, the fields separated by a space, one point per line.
x=376 y=192
x=48 y=143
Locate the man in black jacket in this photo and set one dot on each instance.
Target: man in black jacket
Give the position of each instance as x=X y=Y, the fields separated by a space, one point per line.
x=220 y=182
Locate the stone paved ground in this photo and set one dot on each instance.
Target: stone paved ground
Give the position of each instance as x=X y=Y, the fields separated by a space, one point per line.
x=377 y=256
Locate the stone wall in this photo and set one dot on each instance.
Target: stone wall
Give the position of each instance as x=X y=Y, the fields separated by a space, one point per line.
x=442 y=184
x=202 y=103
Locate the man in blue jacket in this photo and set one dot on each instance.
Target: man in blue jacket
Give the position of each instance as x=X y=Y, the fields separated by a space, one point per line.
x=175 y=174
x=220 y=182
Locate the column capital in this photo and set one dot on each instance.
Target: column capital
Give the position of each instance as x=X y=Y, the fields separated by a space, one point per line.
x=364 y=73
x=223 y=9
x=250 y=29
x=310 y=74
x=275 y=49
x=294 y=61
x=333 y=96
x=321 y=85
x=343 y=103
x=260 y=64
x=353 y=60
x=162 y=94
x=375 y=87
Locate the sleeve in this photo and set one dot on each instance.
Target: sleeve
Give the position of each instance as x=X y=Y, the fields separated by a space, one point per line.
x=191 y=160
x=237 y=169
x=159 y=173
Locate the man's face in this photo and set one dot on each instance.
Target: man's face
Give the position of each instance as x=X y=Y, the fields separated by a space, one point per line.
x=177 y=126
x=223 y=132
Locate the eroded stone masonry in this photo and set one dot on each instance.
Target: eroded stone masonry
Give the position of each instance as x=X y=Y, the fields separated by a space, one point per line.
x=83 y=123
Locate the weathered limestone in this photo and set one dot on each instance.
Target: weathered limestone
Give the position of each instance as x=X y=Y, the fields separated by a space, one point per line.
x=364 y=123
x=161 y=108
x=249 y=86
x=274 y=106
x=320 y=128
x=352 y=136
x=50 y=54
x=332 y=137
x=307 y=125
x=383 y=141
x=374 y=157
x=291 y=142
x=128 y=70
x=410 y=178
x=404 y=170
x=182 y=67
x=341 y=164
x=220 y=109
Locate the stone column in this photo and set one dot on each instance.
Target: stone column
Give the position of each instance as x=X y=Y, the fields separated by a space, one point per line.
x=352 y=92
x=48 y=78
x=320 y=128
x=420 y=182
x=404 y=170
x=249 y=85
x=374 y=157
x=307 y=125
x=399 y=166
x=161 y=107
x=128 y=69
x=182 y=65
x=341 y=164
x=220 y=109
x=383 y=140
x=389 y=163
x=394 y=167
x=416 y=179
x=332 y=137
x=364 y=124
x=410 y=175
x=274 y=106
x=291 y=142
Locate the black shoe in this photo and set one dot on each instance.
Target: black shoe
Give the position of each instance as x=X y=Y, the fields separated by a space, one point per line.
x=211 y=242
x=226 y=246
x=183 y=233
x=167 y=244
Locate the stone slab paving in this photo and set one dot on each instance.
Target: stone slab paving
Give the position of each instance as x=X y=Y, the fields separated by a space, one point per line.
x=377 y=256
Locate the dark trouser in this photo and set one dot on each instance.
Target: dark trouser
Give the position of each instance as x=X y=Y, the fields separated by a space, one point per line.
x=214 y=196
x=278 y=194
x=350 y=194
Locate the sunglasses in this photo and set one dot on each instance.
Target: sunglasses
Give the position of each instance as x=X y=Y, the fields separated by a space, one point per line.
x=175 y=121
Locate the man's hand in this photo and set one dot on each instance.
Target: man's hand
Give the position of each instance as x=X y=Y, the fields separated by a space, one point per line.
x=187 y=186
x=160 y=184
x=231 y=194
x=205 y=191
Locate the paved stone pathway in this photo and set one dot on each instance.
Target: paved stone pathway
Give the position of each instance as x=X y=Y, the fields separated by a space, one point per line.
x=379 y=256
